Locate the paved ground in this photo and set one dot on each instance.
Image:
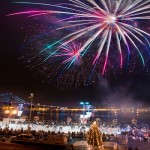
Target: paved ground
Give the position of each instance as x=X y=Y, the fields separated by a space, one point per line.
x=141 y=145
x=133 y=144
x=12 y=146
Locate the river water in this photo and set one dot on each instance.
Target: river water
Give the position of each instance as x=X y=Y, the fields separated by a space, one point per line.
x=103 y=116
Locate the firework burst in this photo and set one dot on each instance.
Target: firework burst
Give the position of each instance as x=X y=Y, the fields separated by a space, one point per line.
x=70 y=53
x=100 y=23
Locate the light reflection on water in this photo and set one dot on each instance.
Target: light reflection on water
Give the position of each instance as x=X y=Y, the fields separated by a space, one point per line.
x=104 y=116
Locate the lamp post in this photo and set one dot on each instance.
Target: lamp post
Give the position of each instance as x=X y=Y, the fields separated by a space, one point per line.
x=31 y=98
x=84 y=104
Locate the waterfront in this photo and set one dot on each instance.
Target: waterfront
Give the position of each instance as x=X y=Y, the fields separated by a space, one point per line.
x=107 y=127
x=72 y=57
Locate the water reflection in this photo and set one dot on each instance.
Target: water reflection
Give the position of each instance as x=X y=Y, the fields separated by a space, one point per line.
x=104 y=116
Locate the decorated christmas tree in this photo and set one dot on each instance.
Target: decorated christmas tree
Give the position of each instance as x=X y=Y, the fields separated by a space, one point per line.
x=94 y=137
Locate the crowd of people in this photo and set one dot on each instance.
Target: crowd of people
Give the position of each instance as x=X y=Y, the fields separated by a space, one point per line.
x=140 y=133
x=127 y=132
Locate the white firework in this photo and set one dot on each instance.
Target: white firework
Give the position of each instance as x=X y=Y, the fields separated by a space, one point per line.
x=101 y=19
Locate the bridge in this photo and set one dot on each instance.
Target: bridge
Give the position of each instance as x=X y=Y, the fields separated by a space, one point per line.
x=10 y=98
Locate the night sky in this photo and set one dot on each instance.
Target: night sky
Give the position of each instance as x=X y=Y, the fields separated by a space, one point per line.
x=130 y=87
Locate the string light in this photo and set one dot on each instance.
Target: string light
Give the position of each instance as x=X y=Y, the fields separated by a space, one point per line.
x=94 y=136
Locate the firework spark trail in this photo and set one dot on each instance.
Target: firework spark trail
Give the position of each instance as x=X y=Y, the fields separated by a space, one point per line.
x=103 y=19
x=70 y=53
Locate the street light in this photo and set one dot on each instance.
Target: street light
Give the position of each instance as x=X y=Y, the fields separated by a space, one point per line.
x=84 y=104
x=14 y=112
x=31 y=98
x=7 y=112
x=10 y=113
